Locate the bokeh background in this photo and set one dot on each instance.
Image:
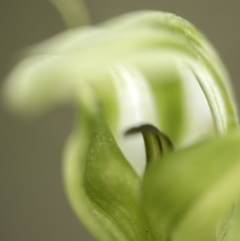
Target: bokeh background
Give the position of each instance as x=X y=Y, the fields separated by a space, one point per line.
x=32 y=201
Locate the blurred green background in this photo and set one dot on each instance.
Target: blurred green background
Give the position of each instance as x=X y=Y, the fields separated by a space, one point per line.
x=32 y=201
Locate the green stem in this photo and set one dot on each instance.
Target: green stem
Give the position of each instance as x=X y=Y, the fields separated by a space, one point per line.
x=73 y=12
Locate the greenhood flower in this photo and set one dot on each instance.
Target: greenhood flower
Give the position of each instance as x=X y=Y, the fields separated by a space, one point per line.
x=151 y=73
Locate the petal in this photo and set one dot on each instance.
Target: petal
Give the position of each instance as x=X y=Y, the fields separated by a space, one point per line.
x=140 y=38
x=102 y=187
x=188 y=193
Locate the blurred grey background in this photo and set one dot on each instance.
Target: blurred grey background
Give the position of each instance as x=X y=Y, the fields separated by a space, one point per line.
x=32 y=201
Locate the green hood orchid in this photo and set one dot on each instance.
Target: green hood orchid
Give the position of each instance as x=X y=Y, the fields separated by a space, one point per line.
x=144 y=84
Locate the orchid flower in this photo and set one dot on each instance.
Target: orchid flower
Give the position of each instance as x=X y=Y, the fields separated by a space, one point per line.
x=154 y=155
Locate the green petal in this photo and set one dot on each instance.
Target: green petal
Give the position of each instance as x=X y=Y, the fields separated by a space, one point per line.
x=232 y=223
x=102 y=187
x=188 y=193
x=139 y=39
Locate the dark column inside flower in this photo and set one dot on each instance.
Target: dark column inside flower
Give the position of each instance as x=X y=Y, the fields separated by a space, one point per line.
x=156 y=143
